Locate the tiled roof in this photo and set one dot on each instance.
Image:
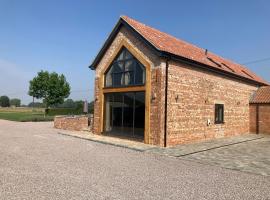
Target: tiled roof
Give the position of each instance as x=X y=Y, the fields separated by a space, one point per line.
x=262 y=95
x=167 y=43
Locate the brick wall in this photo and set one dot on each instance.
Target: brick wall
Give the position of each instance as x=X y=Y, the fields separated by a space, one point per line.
x=252 y=118
x=192 y=95
x=264 y=118
x=73 y=123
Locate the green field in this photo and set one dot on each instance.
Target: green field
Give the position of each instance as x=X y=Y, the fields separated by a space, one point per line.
x=24 y=114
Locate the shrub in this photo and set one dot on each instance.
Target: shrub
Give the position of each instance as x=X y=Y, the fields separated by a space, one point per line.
x=4 y=101
x=63 y=111
x=15 y=102
x=37 y=119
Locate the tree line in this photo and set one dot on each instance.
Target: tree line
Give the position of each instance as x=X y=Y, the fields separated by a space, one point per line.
x=5 y=101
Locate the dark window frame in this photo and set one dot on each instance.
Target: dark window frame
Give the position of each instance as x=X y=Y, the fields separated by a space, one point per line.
x=125 y=71
x=219 y=119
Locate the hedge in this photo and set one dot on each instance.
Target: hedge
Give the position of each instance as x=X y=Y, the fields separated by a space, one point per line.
x=63 y=111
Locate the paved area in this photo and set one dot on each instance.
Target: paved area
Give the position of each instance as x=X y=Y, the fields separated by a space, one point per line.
x=251 y=156
x=130 y=144
x=38 y=163
x=188 y=149
x=248 y=153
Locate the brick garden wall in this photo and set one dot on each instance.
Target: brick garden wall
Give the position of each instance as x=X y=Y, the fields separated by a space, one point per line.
x=264 y=118
x=192 y=95
x=73 y=123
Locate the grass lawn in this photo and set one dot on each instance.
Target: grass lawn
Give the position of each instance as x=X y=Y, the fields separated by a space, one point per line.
x=27 y=116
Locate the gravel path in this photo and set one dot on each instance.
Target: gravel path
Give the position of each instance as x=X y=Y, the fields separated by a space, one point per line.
x=36 y=163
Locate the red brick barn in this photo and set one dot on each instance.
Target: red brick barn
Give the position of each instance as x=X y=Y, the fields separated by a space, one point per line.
x=152 y=86
x=260 y=111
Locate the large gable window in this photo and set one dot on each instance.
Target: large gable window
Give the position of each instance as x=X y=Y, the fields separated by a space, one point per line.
x=125 y=70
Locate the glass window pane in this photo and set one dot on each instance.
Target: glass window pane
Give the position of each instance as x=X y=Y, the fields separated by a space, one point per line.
x=117 y=79
x=118 y=67
x=129 y=78
x=125 y=72
x=121 y=56
x=129 y=65
x=128 y=55
x=139 y=74
x=219 y=113
x=108 y=78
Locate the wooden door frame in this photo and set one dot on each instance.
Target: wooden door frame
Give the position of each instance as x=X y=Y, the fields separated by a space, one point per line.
x=146 y=88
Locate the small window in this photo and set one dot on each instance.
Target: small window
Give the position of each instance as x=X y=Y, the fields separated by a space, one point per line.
x=219 y=113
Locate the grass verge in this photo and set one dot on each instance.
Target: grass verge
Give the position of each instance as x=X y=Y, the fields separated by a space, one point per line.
x=25 y=116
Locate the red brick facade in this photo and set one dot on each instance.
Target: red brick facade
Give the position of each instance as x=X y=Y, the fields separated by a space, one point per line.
x=260 y=118
x=192 y=95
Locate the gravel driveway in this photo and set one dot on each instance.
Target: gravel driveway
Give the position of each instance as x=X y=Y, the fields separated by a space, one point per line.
x=36 y=163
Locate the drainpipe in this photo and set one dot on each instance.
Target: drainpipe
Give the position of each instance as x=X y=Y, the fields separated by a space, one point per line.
x=166 y=102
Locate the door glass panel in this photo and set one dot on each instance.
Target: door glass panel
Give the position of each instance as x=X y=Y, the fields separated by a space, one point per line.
x=125 y=113
x=139 y=113
x=128 y=113
x=117 y=112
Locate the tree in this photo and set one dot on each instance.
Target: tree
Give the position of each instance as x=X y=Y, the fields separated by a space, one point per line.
x=69 y=103
x=4 y=101
x=15 y=102
x=36 y=105
x=91 y=107
x=50 y=87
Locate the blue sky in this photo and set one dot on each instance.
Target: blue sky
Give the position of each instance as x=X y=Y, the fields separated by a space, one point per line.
x=64 y=36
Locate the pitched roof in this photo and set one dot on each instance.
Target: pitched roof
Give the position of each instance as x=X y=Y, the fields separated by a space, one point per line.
x=165 y=43
x=262 y=95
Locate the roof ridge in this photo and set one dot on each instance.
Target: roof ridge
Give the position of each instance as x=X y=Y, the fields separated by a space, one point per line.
x=163 y=32
x=189 y=50
x=186 y=42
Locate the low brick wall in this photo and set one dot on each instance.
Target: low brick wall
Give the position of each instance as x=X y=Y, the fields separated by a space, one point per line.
x=73 y=123
x=260 y=118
